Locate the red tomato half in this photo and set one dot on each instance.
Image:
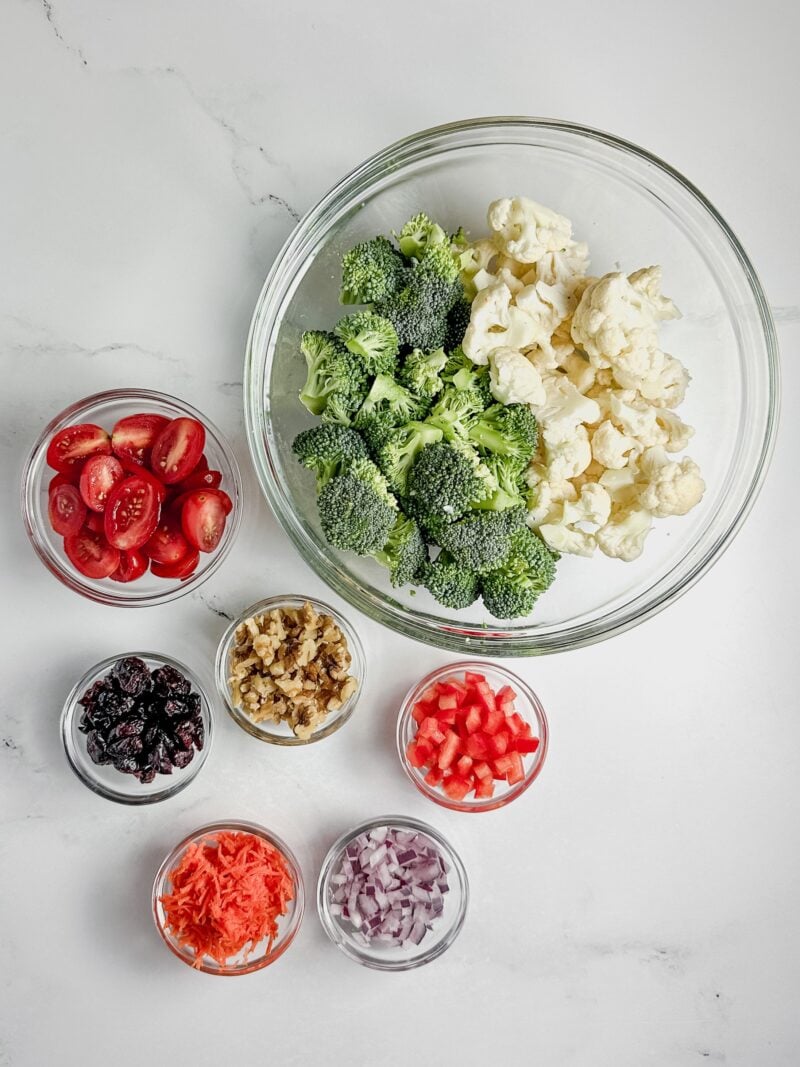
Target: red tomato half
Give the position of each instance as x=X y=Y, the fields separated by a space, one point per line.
x=99 y=475
x=177 y=450
x=132 y=565
x=167 y=545
x=184 y=568
x=198 y=479
x=91 y=554
x=74 y=444
x=132 y=512
x=65 y=509
x=203 y=518
x=132 y=438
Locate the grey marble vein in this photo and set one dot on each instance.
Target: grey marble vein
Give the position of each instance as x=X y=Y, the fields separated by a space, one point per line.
x=49 y=14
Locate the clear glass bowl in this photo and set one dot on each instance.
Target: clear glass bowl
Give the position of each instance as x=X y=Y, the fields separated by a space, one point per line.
x=386 y=957
x=105 y=409
x=258 y=957
x=281 y=733
x=634 y=210
x=527 y=704
x=104 y=779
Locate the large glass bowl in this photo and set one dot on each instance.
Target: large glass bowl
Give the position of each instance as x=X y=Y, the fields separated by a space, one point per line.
x=633 y=210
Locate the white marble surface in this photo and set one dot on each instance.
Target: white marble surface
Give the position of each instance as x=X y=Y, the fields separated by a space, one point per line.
x=640 y=905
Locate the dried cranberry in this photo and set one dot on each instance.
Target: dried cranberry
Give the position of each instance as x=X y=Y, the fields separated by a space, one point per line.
x=125 y=746
x=193 y=705
x=131 y=675
x=183 y=758
x=96 y=748
x=170 y=682
x=184 y=735
x=173 y=707
x=146 y=775
x=132 y=727
x=126 y=764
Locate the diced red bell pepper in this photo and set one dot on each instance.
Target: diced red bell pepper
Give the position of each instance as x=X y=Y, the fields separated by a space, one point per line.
x=419 y=712
x=434 y=776
x=472 y=720
x=464 y=766
x=448 y=750
x=502 y=765
x=448 y=702
x=481 y=769
x=525 y=744
x=418 y=753
x=506 y=695
x=484 y=788
x=498 y=743
x=472 y=678
x=514 y=723
x=493 y=719
x=448 y=717
x=476 y=746
x=455 y=787
x=517 y=772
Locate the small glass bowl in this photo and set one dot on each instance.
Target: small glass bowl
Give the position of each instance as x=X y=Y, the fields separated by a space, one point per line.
x=244 y=962
x=105 y=409
x=281 y=733
x=529 y=707
x=104 y=779
x=384 y=957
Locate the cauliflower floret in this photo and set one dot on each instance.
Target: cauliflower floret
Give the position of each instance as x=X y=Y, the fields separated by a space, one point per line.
x=489 y=321
x=624 y=537
x=568 y=539
x=621 y=486
x=579 y=371
x=612 y=448
x=648 y=282
x=593 y=506
x=668 y=387
x=566 y=268
x=547 y=495
x=636 y=418
x=613 y=317
x=676 y=434
x=479 y=256
x=671 y=487
x=564 y=409
x=568 y=533
x=514 y=379
x=640 y=368
x=526 y=231
x=567 y=458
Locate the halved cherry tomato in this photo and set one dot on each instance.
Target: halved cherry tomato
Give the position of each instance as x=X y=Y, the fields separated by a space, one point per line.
x=167 y=545
x=99 y=475
x=73 y=477
x=203 y=518
x=91 y=554
x=160 y=489
x=177 y=450
x=132 y=565
x=132 y=512
x=65 y=509
x=184 y=568
x=74 y=444
x=132 y=438
x=206 y=479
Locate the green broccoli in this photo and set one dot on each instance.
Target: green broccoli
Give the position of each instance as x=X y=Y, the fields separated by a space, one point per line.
x=418 y=234
x=327 y=450
x=455 y=411
x=419 y=310
x=457 y=321
x=376 y=428
x=372 y=338
x=335 y=378
x=399 y=448
x=405 y=553
x=509 y=475
x=356 y=509
x=441 y=483
x=482 y=540
x=387 y=395
x=511 y=590
x=421 y=372
x=507 y=430
x=451 y=583
x=372 y=271
x=462 y=373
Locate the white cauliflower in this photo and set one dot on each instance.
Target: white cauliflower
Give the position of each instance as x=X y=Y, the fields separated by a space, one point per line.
x=624 y=536
x=671 y=487
x=579 y=371
x=489 y=320
x=564 y=409
x=612 y=318
x=567 y=532
x=526 y=231
x=635 y=417
x=668 y=387
x=567 y=457
x=547 y=495
x=675 y=433
x=612 y=448
x=648 y=282
x=566 y=268
x=514 y=379
x=568 y=539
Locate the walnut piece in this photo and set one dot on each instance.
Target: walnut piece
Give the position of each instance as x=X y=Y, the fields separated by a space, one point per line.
x=290 y=665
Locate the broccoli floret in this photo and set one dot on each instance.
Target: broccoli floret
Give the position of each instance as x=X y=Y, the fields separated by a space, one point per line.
x=372 y=338
x=507 y=430
x=372 y=271
x=482 y=540
x=405 y=553
x=387 y=395
x=418 y=234
x=421 y=372
x=419 y=310
x=442 y=483
x=509 y=475
x=457 y=321
x=455 y=411
x=376 y=428
x=327 y=450
x=462 y=373
x=400 y=447
x=356 y=510
x=439 y=261
x=451 y=583
x=336 y=377
x=511 y=590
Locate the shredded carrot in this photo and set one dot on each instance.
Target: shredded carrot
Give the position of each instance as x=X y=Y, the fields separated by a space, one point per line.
x=227 y=895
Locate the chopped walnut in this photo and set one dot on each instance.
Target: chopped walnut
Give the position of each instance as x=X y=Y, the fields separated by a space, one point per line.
x=290 y=665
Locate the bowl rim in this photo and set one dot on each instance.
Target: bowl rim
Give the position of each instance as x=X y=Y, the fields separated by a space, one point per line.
x=119 y=594
x=174 y=785
x=483 y=639
x=281 y=944
x=342 y=939
x=538 y=713
x=358 y=664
